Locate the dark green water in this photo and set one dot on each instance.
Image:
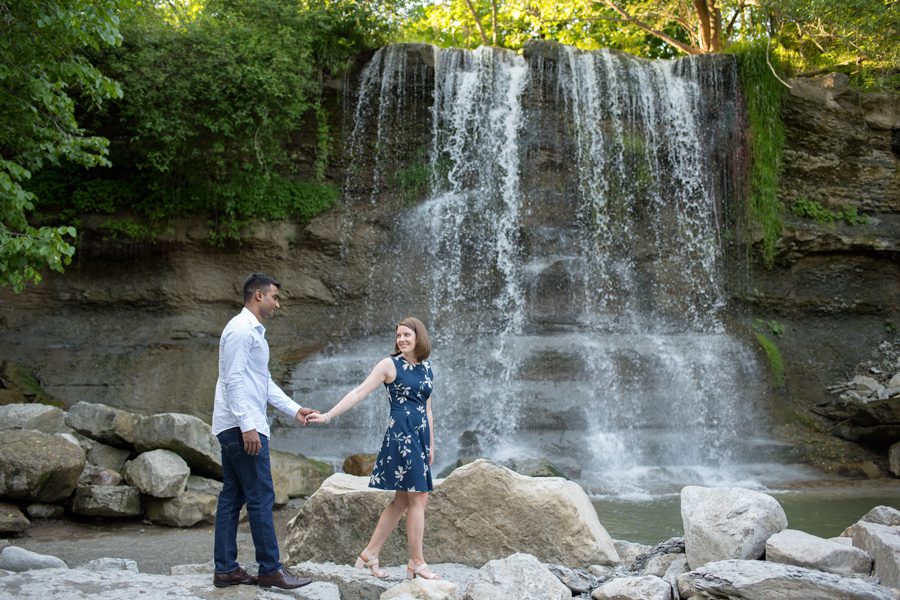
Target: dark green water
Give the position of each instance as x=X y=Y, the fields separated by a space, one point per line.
x=822 y=512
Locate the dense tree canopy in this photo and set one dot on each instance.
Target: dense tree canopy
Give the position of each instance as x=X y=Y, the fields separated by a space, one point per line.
x=195 y=106
x=44 y=71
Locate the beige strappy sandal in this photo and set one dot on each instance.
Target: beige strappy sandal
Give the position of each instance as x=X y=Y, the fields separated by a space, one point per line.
x=372 y=565
x=421 y=571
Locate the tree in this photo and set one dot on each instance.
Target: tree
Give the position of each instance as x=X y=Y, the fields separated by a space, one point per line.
x=44 y=74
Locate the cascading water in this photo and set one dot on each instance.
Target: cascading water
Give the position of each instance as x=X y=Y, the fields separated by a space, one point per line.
x=568 y=261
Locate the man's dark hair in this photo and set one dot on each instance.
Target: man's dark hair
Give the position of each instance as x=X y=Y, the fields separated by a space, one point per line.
x=258 y=281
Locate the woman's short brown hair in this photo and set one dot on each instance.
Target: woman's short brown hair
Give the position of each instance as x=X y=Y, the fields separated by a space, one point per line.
x=423 y=342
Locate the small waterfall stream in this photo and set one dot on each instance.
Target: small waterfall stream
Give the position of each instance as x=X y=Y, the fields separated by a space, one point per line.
x=568 y=261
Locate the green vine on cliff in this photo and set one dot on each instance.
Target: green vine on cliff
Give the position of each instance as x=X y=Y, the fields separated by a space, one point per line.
x=763 y=94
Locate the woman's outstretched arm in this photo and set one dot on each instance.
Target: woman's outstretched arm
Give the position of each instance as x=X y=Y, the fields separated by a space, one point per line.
x=384 y=372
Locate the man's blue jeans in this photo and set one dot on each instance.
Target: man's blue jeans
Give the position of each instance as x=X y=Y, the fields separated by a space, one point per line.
x=246 y=479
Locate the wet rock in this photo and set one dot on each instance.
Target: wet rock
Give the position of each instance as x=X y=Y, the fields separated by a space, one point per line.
x=11 y=519
x=103 y=423
x=13 y=558
x=187 y=436
x=763 y=580
x=107 y=501
x=20 y=381
x=39 y=417
x=723 y=523
x=792 y=547
x=38 y=467
x=359 y=464
x=894 y=459
x=882 y=543
x=520 y=576
x=158 y=473
x=647 y=587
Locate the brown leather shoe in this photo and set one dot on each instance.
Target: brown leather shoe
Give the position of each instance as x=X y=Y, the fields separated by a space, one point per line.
x=284 y=579
x=235 y=577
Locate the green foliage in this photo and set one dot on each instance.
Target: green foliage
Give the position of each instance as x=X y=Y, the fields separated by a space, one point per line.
x=770 y=326
x=44 y=74
x=776 y=363
x=811 y=209
x=763 y=94
x=413 y=180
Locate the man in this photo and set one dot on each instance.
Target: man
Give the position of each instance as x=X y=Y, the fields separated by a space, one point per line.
x=243 y=390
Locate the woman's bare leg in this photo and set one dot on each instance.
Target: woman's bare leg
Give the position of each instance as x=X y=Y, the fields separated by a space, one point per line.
x=387 y=522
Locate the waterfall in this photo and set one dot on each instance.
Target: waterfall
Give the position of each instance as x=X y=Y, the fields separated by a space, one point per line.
x=568 y=259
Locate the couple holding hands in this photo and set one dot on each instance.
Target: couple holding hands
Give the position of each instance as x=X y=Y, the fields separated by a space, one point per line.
x=244 y=389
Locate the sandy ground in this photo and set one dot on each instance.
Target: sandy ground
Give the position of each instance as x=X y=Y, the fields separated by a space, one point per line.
x=155 y=548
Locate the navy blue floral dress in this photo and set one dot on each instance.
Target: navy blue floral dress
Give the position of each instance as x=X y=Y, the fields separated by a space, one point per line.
x=402 y=462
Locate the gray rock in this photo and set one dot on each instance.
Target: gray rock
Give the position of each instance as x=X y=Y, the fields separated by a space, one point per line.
x=676 y=568
x=103 y=423
x=184 y=510
x=187 y=436
x=882 y=543
x=295 y=475
x=629 y=551
x=520 y=576
x=11 y=519
x=793 y=547
x=481 y=511
x=158 y=473
x=107 y=501
x=38 y=467
x=883 y=515
x=723 y=523
x=13 y=558
x=577 y=580
x=207 y=568
x=108 y=457
x=39 y=510
x=94 y=475
x=647 y=587
x=202 y=485
x=111 y=564
x=763 y=580
x=38 y=417
x=420 y=589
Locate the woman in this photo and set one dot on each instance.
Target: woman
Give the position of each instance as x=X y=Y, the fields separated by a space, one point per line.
x=404 y=461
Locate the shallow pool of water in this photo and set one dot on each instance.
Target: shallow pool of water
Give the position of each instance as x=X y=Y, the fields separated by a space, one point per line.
x=824 y=510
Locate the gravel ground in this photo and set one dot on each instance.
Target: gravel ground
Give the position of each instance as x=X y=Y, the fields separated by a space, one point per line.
x=155 y=548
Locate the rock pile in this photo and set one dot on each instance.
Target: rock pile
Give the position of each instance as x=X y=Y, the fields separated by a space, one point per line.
x=867 y=406
x=96 y=460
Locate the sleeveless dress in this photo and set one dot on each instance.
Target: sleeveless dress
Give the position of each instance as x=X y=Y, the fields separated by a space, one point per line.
x=402 y=462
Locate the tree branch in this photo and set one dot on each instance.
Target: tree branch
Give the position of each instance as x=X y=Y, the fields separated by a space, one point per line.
x=664 y=37
x=484 y=39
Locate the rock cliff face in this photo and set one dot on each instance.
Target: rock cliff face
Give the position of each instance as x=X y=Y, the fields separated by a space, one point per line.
x=137 y=325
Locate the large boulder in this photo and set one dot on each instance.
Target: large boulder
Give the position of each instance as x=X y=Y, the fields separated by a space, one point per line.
x=295 y=475
x=108 y=457
x=107 y=501
x=420 y=589
x=724 y=523
x=187 y=436
x=158 y=473
x=103 y=423
x=763 y=580
x=793 y=547
x=480 y=512
x=882 y=543
x=39 y=417
x=38 y=467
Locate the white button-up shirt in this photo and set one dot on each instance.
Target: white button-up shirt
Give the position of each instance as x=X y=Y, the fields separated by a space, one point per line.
x=245 y=386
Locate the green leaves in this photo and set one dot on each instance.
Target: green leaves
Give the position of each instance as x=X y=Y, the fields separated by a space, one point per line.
x=44 y=74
